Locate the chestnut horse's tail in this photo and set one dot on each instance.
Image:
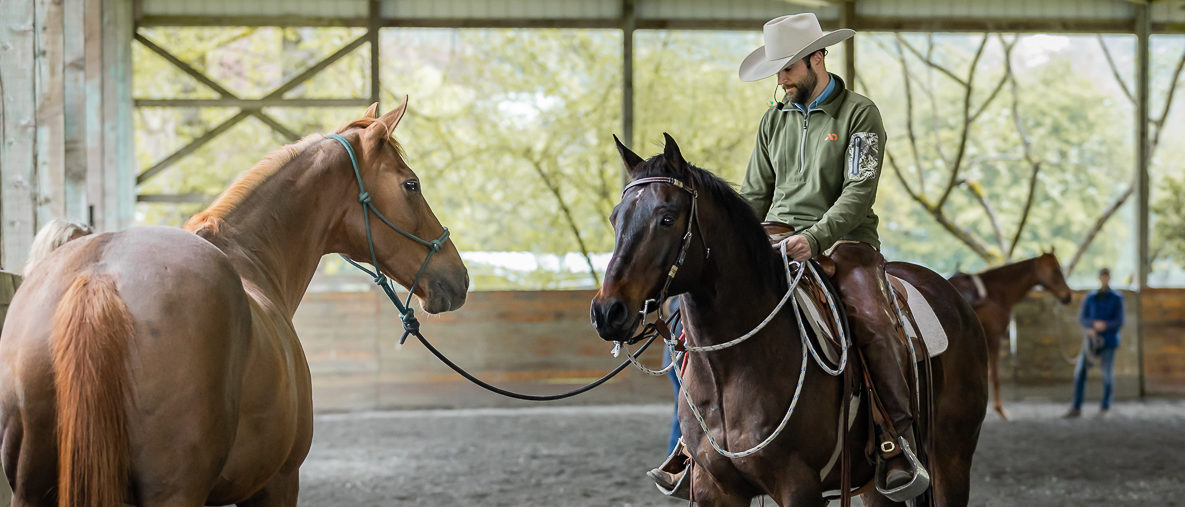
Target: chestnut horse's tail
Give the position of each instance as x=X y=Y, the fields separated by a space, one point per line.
x=89 y=343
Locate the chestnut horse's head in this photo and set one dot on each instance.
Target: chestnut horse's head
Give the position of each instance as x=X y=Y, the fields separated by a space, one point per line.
x=401 y=229
x=1049 y=276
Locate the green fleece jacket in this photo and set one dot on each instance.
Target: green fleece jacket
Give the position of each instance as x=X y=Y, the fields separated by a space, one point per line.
x=818 y=171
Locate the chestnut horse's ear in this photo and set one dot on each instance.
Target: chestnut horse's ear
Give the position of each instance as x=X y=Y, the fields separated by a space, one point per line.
x=631 y=160
x=671 y=151
x=391 y=119
x=372 y=111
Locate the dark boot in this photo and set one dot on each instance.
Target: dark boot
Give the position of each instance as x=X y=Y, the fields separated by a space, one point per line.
x=903 y=475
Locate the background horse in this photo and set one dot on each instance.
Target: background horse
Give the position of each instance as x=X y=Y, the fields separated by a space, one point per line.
x=744 y=391
x=159 y=366
x=998 y=290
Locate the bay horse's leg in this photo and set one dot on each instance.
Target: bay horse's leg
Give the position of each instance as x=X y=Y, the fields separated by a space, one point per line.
x=799 y=486
x=874 y=499
x=708 y=492
x=281 y=491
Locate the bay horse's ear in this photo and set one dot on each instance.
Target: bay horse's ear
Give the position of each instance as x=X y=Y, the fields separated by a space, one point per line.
x=372 y=111
x=391 y=119
x=631 y=160
x=671 y=151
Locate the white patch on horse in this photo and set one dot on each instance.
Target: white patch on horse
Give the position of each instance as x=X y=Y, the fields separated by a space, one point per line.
x=862 y=155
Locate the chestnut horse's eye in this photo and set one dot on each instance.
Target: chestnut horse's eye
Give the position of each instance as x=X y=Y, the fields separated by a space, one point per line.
x=667 y=220
x=412 y=185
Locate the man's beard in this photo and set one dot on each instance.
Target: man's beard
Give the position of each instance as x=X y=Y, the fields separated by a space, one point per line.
x=803 y=89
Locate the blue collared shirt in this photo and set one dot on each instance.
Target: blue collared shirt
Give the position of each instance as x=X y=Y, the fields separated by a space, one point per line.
x=822 y=96
x=1107 y=306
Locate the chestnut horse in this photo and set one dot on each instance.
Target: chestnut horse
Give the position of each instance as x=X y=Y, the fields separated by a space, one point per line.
x=997 y=291
x=159 y=366
x=731 y=279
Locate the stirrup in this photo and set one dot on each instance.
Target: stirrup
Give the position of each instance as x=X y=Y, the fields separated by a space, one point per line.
x=911 y=489
x=671 y=476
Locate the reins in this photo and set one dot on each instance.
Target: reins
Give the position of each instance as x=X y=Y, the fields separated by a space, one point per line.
x=792 y=285
x=411 y=326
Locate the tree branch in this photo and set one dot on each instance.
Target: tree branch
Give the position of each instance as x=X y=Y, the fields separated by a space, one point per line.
x=555 y=191
x=1168 y=104
x=1005 y=77
x=1098 y=226
x=1115 y=70
x=913 y=139
x=976 y=191
x=1027 y=145
x=967 y=237
x=968 y=88
x=928 y=61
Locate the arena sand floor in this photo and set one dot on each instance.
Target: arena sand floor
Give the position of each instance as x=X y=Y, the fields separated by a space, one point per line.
x=597 y=456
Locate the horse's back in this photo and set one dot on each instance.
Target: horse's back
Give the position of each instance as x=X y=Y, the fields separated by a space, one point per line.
x=188 y=316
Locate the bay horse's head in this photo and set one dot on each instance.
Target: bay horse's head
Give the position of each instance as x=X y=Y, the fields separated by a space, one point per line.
x=660 y=249
x=396 y=194
x=1049 y=276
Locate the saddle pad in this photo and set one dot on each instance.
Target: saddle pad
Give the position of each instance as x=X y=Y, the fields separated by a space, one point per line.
x=929 y=327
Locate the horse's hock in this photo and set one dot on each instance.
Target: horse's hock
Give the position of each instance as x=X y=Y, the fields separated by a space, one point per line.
x=8 y=284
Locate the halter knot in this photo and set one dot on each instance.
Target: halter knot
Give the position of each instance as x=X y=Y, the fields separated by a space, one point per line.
x=364 y=197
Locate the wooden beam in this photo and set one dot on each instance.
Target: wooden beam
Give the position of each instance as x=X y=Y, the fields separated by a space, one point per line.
x=628 y=25
x=847 y=17
x=191 y=147
x=190 y=198
x=374 y=23
x=74 y=112
x=49 y=85
x=119 y=161
x=902 y=24
x=1143 y=62
x=95 y=175
x=17 y=133
x=224 y=126
x=253 y=109
x=253 y=103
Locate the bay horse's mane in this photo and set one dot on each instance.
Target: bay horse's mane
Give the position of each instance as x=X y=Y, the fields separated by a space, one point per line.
x=271 y=164
x=740 y=217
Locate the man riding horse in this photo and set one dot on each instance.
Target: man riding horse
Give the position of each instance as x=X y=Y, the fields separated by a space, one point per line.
x=815 y=167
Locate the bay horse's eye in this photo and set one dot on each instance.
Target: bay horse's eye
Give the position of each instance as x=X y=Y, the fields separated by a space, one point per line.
x=667 y=220
x=412 y=185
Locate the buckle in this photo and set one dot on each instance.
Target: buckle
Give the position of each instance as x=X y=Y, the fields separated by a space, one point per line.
x=888 y=446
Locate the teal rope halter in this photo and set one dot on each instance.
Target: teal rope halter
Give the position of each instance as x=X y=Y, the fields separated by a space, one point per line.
x=406 y=313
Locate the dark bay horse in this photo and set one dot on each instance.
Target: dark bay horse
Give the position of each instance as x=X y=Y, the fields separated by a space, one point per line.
x=743 y=392
x=997 y=291
x=159 y=366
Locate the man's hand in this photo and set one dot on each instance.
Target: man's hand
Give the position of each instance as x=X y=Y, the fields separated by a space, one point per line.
x=798 y=248
x=1100 y=325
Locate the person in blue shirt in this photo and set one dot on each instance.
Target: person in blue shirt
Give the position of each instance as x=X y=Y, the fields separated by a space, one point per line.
x=1101 y=316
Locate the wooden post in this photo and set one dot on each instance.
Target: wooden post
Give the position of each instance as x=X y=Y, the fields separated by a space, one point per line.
x=847 y=18
x=374 y=25
x=50 y=91
x=1143 y=30
x=17 y=133
x=629 y=23
x=119 y=163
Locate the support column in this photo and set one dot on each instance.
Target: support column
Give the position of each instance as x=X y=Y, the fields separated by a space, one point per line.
x=373 y=25
x=1143 y=30
x=847 y=19
x=629 y=23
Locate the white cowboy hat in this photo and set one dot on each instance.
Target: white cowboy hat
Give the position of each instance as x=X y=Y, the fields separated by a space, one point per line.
x=788 y=39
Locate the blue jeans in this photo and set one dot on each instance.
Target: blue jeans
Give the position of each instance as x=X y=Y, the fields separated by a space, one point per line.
x=1107 y=358
x=676 y=431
